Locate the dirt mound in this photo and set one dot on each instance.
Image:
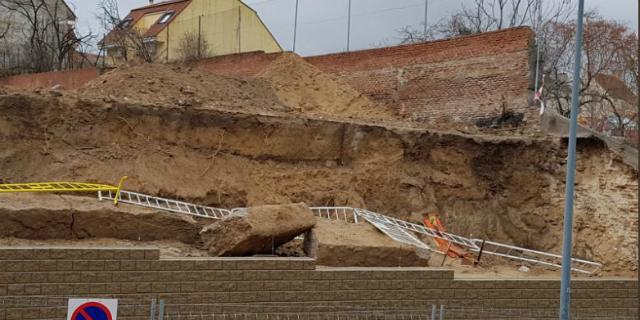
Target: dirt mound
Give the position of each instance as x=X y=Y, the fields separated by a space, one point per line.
x=259 y=230
x=176 y=85
x=288 y=86
x=304 y=88
x=340 y=244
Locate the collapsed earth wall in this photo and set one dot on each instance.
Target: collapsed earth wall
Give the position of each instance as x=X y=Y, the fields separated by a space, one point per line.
x=34 y=284
x=502 y=189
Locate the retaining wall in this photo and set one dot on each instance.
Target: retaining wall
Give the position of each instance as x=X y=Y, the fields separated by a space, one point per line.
x=35 y=282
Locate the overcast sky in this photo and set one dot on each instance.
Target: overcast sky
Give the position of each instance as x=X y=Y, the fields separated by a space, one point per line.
x=322 y=26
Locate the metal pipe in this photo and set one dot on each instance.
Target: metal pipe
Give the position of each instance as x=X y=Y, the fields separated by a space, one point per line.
x=349 y=28
x=152 y=315
x=638 y=146
x=426 y=17
x=442 y=312
x=433 y=312
x=161 y=310
x=539 y=25
x=295 y=26
x=565 y=287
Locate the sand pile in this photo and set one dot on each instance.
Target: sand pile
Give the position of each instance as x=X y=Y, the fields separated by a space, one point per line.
x=306 y=89
x=175 y=85
x=288 y=86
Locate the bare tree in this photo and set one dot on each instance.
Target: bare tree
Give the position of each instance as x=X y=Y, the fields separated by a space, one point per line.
x=608 y=55
x=121 y=34
x=46 y=30
x=490 y=15
x=66 y=40
x=193 y=47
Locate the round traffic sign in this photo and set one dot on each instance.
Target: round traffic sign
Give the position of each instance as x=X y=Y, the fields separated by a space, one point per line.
x=91 y=311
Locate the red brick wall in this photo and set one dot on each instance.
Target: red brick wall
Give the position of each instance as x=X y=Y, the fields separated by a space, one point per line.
x=460 y=79
x=72 y=79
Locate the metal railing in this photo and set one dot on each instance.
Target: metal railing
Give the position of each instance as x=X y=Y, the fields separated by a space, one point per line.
x=346 y=214
x=165 y=204
x=393 y=227
x=535 y=256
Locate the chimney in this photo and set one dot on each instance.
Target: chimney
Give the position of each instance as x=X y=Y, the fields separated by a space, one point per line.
x=150 y=2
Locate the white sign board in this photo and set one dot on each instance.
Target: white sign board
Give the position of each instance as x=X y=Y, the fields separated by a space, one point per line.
x=92 y=309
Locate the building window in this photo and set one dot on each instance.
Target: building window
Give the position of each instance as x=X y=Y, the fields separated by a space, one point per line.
x=165 y=17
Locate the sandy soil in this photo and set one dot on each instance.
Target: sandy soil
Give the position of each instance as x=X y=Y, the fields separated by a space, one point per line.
x=288 y=86
x=307 y=90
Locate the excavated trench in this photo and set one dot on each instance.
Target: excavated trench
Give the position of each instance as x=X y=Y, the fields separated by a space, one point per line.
x=503 y=189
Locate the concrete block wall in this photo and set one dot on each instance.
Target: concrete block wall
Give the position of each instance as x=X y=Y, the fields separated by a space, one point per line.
x=35 y=283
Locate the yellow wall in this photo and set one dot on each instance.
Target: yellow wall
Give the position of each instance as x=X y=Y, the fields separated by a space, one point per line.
x=219 y=28
x=227 y=26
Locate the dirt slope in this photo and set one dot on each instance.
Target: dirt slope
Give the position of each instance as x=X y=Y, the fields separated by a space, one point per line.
x=306 y=89
x=180 y=86
x=289 y=85
x=503 y=189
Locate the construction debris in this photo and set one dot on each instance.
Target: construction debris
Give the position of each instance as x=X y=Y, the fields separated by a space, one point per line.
x=257 y=230
x=341 y=244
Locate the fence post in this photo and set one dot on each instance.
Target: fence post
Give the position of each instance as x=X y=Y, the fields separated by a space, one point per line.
x=199 y=37
x=349 y=28
x=433 y=312
x=152 y=313
x=480 y=253
x=295 y=26
x=239 y=29
x=442 y=312
x=161 y=310
x=168 y=42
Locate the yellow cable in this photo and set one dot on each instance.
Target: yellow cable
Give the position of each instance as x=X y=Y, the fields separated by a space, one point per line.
x=115 y=199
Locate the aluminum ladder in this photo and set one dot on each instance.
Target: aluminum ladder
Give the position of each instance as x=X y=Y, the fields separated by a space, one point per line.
x=170 y=205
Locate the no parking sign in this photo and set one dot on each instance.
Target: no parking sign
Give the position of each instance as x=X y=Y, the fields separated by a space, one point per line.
x=92 y=309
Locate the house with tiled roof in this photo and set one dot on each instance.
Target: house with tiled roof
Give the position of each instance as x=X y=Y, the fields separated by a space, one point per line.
x=172 y=30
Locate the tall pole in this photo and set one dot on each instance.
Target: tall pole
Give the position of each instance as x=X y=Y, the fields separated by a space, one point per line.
x=638 y=146
x=538 y=45
x=565 y=286
x=349 y=28
x=295 y=26
x=426 y=17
